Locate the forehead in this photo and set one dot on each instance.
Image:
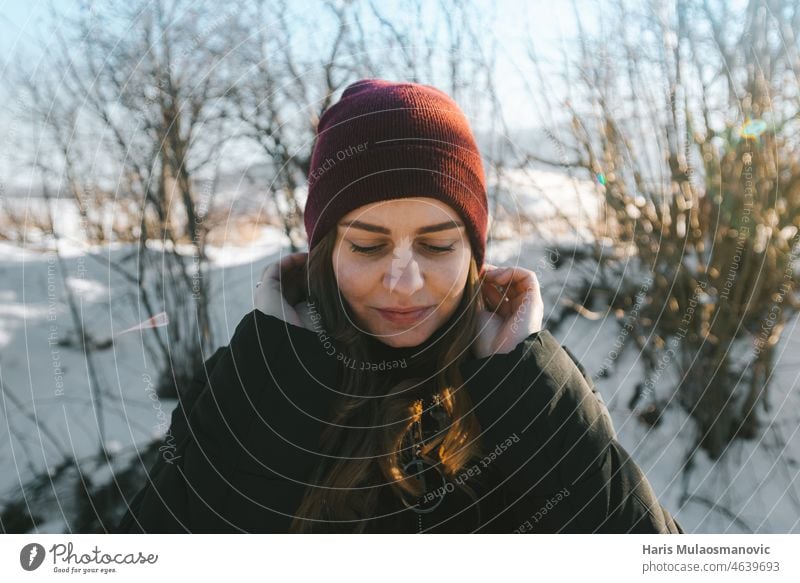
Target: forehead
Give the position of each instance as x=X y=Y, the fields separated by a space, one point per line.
x=408 y=211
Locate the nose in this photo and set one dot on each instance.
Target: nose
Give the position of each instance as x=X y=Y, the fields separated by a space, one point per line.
x=404 y=276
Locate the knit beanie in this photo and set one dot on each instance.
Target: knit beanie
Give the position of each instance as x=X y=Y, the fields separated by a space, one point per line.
x=384 y=140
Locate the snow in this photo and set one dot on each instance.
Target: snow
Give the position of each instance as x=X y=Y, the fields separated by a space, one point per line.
x=755 y=485
x=50 y=381
x=755 y=480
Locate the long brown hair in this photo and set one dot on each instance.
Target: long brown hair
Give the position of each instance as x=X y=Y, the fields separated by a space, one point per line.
x=372 y=418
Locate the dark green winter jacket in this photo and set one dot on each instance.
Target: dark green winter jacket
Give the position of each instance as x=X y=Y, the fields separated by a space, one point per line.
x=247 y=439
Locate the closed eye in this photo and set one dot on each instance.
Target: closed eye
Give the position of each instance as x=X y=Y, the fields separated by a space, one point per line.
x=436 y=249
x=364 y=250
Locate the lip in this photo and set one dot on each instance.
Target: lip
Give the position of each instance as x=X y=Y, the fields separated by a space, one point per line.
x=408 y=316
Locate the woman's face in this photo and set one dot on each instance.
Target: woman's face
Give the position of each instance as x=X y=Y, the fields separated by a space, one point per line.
x=410 y=253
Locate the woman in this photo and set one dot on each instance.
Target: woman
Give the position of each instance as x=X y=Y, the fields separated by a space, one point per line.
x=389 y=380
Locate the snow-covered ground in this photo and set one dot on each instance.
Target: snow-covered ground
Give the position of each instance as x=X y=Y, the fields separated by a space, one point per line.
x=47 y=412
x=46 y=401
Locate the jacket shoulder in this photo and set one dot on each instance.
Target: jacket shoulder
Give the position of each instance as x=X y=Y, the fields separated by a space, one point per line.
x=246 y=390
x=564 y=442
x=540 y=388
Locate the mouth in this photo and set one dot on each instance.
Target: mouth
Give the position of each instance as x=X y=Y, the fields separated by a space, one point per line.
x=406 y=316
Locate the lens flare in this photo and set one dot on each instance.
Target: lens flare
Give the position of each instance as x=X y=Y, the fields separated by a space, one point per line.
x=752 y=128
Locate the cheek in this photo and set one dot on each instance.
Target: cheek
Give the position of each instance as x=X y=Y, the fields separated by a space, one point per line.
x=451 y=276
x=351 y=277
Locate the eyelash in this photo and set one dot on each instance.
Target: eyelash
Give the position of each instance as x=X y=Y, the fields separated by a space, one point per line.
x=371 y=250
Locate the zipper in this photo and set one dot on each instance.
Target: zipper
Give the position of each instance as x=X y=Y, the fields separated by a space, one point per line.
x=416 y=451
x=418 y=463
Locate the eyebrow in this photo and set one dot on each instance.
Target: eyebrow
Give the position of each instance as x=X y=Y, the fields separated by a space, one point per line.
x=383 y=230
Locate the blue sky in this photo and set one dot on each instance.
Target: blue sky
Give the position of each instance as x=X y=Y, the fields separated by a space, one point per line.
x=20 y=20
x=23 y=26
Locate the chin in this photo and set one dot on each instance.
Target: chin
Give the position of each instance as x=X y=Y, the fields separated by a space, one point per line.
x=401 y=339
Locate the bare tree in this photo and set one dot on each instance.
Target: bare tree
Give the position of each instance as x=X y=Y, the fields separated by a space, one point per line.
x=683 y=117
x=146 y=80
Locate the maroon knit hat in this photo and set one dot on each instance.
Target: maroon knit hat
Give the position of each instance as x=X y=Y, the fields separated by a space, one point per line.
x=384 y=140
